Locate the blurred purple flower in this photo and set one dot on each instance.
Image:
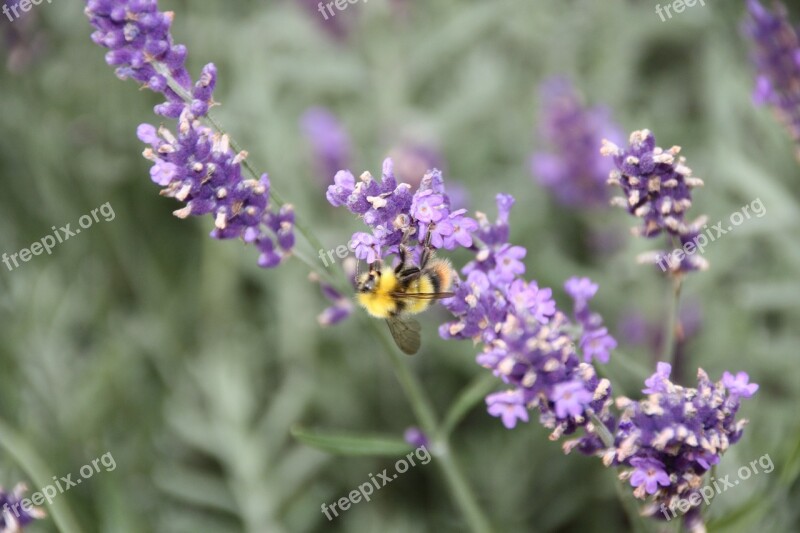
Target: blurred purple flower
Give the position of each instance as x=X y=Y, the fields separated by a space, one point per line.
x=573 y=169
x=336 y=27
x=739 y=385
x=658 y=381
x=416 y=437
x=340 y=309
x=330 y=142
x=16 y=511
x=775 y=52
x=413 y=160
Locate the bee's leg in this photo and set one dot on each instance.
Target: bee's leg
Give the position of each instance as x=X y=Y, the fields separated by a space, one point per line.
x=403 y=255
x=427 y=251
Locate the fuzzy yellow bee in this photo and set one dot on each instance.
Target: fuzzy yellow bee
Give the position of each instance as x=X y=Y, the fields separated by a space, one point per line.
x=396 y=294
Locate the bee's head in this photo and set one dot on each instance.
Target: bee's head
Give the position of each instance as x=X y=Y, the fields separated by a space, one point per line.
x=368 y=281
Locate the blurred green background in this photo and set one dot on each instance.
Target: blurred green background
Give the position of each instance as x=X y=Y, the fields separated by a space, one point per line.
x=144 y=338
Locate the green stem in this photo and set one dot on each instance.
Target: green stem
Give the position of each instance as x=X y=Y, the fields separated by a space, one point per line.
x=420 y=403
x=440 y=448
x=629 y=505
x=24 y=454
x=670 y=333
x=460 y=489
x=474 y=393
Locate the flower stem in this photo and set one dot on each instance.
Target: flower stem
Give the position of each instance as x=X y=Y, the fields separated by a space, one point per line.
x=669 y=353
x=634 y=517
x=33 y=465
x=440 y=448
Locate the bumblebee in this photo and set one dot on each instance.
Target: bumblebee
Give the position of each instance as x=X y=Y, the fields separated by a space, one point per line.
x=396 y=294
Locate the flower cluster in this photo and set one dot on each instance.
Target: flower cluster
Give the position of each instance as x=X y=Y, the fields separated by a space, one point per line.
x=657 y=187
x=198 y=166
x=572 y=169
x=673 y=437
x=776 y=56
x=393 y=213
x=527 y=341
x=14 y=514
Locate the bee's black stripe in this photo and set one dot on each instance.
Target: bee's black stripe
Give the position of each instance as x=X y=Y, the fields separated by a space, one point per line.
x=436 y=281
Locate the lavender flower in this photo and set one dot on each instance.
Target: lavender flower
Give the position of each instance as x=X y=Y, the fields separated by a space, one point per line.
x=416 y=437
x=573 y=170
x=649 y=473
x=509 y=406
x=657 y=187
x=526 y=340
x=198 y=166
x=329 y=140
x=392 y=211
x=776 y=56
x=595 y=341
x=674 y=436
x=138 y=38
x=14 y=515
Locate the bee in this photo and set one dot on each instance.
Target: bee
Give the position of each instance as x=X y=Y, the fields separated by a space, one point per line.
x=396 y=294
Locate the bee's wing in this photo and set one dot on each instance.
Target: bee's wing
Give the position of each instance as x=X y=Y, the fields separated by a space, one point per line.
x=405 y=332
x=423 y=295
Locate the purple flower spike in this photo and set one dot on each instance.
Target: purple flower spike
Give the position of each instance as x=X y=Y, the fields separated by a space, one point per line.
x=775 y=46
x=527 y=341
x=138 y=36
x=195 y=165
x=676 y=434
x=657 y=188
